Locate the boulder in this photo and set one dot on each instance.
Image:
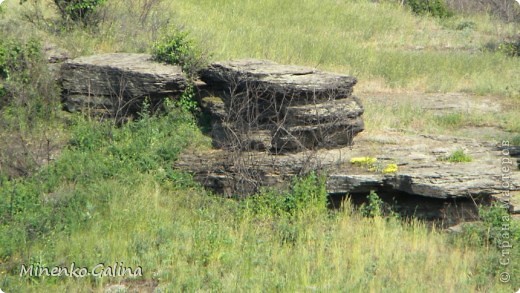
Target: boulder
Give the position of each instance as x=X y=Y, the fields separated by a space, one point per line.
x=115 y=83
x=302 y=84
x=281 y=108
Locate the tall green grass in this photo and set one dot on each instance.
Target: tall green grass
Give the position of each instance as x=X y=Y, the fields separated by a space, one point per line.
x=113 y=197
x=367 y=39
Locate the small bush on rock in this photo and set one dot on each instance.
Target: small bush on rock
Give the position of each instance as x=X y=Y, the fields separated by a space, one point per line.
x=458 y=156
x=179 y=49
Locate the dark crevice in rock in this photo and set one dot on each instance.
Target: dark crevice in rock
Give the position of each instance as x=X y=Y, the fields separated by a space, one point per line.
x=440 y=212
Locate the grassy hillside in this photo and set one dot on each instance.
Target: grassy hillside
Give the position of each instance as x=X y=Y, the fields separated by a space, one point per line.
x=113 y=197
x=384 y=44
x=375 y=41
x=107 y=194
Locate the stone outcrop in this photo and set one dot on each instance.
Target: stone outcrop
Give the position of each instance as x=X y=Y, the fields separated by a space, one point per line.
x=113 y=84
x=272 y=122
x=421 y=172
x=281 y=108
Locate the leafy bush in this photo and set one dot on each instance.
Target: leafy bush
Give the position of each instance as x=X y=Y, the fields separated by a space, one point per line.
x=29 y=101
x=307 y=195
x=18 y=63
x=179 y=49
x=66 y=194
x=436 y=8
x=187 y=102
x=459 y=156
x=374 y=207
x=77 y=11
x=510 y=48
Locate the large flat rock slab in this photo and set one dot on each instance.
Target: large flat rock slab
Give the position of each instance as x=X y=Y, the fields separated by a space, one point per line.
x=113 y=82
x=304 y=83
x=493 y=172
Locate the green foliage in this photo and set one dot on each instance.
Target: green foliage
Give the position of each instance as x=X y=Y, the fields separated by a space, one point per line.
x=77 y=11
x=24 y=78
x=17 y=59
x=435 y=8
x=501 y=233
x=307 y=195
x=458 y=156
x=510 y=48
x=113 y=194
x=466 y=25
x=515 y=140
x=187 y=102
x=179 y=49
x=70 y=193
x=374 y=207
x=29 y=102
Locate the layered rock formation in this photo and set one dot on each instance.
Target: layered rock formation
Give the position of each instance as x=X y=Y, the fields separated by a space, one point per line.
x=113 y=84
x=421 y=170
x=281 y=108
x=273 y=122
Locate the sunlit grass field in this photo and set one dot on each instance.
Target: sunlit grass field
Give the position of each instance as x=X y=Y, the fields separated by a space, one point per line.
x=383 y=44
x=113 y=196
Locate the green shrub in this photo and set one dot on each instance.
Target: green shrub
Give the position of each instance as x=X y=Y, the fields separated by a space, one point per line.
x=29 y=102
x=100 y=158
x=510 y=48
x=374 y=207
x=307 y=195
x=178 y=48
x=187 y=102
x=466 y=25
x=435 y=8
x=17 y=59
x=77 y=11
x=24 y=78
x=459 y=156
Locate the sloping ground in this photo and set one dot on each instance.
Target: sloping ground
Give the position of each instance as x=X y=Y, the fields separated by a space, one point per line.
x=438 y=102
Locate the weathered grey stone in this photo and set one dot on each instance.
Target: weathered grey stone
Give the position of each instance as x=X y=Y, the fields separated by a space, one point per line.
x=118 y=81
x=303 y=84
x=326 y=112
x=428 y=177
x=299 y=107
x=55 y=54
x=312 y=136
